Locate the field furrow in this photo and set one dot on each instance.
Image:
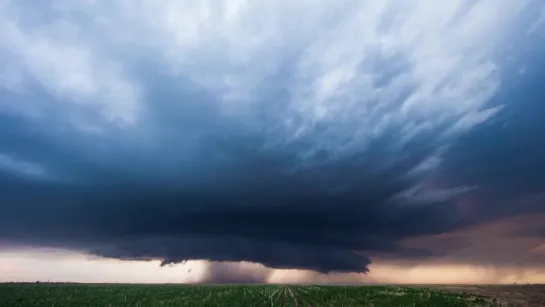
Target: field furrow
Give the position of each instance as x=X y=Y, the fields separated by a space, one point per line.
x=118 y=295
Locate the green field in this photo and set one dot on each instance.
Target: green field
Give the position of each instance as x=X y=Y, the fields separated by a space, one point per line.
x=113 y=295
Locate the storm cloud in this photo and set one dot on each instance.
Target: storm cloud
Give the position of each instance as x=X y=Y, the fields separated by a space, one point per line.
x=298 y=136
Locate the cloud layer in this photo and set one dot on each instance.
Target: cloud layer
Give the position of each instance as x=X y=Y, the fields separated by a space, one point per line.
x=299 y=136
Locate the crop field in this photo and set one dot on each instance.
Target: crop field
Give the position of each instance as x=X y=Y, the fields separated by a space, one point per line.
x=113 y=295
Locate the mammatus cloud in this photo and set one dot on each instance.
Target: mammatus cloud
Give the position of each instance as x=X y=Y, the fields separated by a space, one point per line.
x=291 y=135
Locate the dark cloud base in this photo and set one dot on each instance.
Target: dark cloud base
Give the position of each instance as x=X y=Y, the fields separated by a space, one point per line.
x=259 y=209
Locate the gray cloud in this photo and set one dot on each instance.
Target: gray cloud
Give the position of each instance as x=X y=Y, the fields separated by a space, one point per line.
x=257 y=214
x=311 y=149
x=517 y=241
x=257 y=209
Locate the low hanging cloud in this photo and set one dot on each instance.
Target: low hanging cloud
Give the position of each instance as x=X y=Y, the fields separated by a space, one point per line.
x=291 y=135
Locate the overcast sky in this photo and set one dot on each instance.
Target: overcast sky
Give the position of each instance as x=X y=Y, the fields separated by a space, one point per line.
x=272 y=141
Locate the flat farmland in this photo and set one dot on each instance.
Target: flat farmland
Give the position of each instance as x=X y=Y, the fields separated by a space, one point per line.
x=123 y=295
x=510 y=295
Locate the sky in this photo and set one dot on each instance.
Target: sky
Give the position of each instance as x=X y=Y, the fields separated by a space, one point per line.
x=272 y=141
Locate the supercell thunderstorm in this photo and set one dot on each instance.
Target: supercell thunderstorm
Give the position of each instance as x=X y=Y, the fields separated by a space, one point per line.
x=293 y=135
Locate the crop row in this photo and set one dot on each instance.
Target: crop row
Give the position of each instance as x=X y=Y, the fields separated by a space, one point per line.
x=72 y=295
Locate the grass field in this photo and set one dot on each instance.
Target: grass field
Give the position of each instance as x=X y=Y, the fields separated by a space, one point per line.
x=113 y=295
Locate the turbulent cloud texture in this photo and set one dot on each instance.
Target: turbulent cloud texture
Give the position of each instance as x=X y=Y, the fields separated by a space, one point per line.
x=299 y=135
